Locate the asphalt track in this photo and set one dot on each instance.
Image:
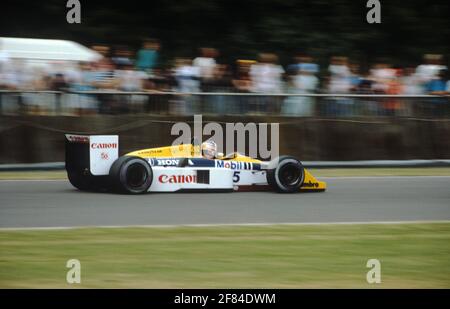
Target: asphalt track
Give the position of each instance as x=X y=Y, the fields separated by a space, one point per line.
x=358 y=199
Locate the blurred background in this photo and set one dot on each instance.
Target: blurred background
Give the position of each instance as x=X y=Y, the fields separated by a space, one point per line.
x=341 y=88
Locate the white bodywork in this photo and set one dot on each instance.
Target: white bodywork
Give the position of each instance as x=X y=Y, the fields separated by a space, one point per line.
x=103 y=150
x=171 y=179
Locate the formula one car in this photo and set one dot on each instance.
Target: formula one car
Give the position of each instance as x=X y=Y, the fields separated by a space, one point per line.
x=93 y=164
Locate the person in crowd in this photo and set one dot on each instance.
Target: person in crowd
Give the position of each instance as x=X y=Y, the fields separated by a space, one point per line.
x=355 y=77
x=339 y=82
x=206 y=65
x=411 y=85
x=38 y=79
x=187 y=75
x=123 y=56
x=242 y=83
x=386 y=80
x=394 y=106
x=148 y=56
x=267 y=78
x=411 y=82
x=438 y=85
x=431 y=74
x=130 y=80
x=381 y=74
x=267 y=75
x=187 y=78
x=59 y=83
x=161 y=80
x=103 y=73
x=304 y=63
x=6 y=78
x=220 y=82
x=433 y=64
x=102 y=49
x=303 y=81
x=104 y=79
x=81 y=80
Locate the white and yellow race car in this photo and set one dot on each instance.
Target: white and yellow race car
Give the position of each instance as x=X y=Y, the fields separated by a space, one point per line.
x=93 y=163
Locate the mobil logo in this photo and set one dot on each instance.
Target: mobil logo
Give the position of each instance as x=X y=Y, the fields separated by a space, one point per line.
x=233 y=165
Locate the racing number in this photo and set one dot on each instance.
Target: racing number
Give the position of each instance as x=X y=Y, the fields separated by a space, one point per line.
x=236 y=176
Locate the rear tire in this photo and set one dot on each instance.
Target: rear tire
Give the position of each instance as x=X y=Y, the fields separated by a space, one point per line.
x=132 y=175
x=287 y=176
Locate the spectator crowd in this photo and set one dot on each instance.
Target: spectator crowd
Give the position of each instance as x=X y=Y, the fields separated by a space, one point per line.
x=121 y=69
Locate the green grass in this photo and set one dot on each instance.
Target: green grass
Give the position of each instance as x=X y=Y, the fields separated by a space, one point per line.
x=326 y=172
x=30 y=175
x=326 y=256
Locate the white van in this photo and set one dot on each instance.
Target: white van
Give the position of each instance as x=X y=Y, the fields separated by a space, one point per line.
x=43 y=50
x=23 y=59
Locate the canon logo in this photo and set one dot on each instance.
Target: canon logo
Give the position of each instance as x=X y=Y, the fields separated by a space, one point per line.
x=103 y=145
x=177 y=178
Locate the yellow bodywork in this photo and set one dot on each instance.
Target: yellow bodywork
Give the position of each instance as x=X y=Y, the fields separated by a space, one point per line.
x=190 y=151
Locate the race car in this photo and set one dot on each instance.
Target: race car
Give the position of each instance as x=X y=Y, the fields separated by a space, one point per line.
x=93 y=164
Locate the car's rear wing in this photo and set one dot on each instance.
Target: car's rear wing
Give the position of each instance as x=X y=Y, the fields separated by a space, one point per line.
x=93 y=154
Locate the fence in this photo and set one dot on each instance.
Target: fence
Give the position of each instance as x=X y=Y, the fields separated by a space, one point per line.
x=222 y=103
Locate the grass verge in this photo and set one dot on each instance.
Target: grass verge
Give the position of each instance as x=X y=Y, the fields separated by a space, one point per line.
x=325 y=256
x=33 y=175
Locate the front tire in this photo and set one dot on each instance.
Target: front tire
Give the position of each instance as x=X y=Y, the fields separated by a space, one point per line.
x=287 y=176
x=132 y=175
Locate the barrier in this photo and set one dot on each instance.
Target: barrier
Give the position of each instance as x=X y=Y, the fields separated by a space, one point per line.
x=32 y=139
x=222 y=103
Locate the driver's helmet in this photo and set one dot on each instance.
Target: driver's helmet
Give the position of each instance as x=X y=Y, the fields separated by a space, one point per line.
x=209 y=149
